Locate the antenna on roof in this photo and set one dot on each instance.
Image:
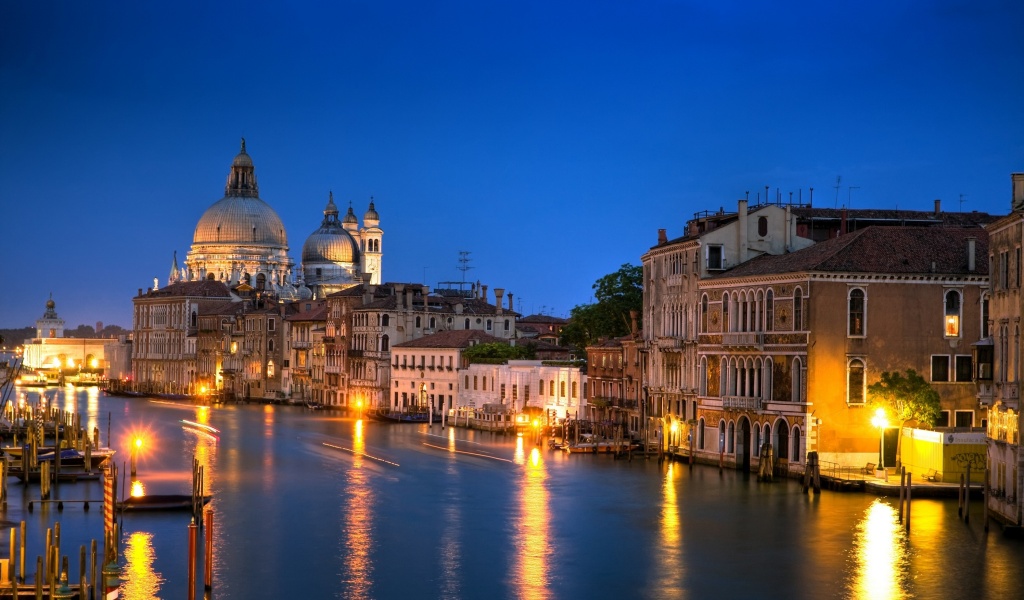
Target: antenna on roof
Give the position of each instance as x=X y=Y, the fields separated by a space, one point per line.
x=464 y=263
x=962 y=196
x=839 y=178
x=849 y=195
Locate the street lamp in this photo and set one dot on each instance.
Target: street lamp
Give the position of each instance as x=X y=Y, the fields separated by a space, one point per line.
x=881 y=423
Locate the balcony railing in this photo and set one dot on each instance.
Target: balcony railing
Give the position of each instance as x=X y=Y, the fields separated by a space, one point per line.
x=301 y=345
x=743 y=339
x=741 y=403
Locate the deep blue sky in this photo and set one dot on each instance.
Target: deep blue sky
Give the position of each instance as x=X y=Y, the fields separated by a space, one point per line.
x=550 y=140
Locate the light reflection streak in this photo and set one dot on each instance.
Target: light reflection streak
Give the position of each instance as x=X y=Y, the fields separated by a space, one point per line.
x=141 y=581
x=451 y=549
x=880 y=554
x=532 y=541
x=670 y=567
x=357 y=575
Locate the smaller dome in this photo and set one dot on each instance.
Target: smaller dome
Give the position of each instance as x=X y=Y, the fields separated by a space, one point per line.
x=350 y=217
x=330 y=246
x=50 y=303
x=371 y=213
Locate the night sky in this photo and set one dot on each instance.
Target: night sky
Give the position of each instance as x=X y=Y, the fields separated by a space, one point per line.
x=551 y=140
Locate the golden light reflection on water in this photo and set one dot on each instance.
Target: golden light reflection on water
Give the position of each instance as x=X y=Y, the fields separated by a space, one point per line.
x=205 y=450
x=881 y=555
x=141 y=582
x=358 y=521
x=532 y=538
x=669 y=556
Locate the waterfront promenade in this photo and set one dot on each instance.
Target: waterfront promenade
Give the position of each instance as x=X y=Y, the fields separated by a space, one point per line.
x=313 y=504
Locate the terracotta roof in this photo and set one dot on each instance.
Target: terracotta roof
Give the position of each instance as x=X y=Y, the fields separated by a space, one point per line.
x=894 y=250
x=459 y=338
x=203 y=288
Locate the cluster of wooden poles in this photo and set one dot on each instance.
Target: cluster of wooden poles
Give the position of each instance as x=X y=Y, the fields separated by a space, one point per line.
x=52 y=571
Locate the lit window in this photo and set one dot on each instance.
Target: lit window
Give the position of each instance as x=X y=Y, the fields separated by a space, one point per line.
x=952 y=314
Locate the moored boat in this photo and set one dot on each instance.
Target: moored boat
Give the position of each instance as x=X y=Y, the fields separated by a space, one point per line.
x=161 y=502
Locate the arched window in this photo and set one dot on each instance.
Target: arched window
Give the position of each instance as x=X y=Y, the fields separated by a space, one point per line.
x=704 y=313
x=731 y=439
x=855 y=381
x=417 y=322
x=796 y=381
x=385 y=320
x=798 y=310
x=551 y=388
x=488 y=324
x=762 y=226
x=384 y=343
x=433 y=322
x=952 y=313
x=726 y=325
x=703 y=384
x=270 y=345
x=195 y=319
x=561 y=387
x=857 y=303
x=700 y=434
x=794 y=447
x=261 y=281
x=467 y=323
x=769 y=310
x=721 y=436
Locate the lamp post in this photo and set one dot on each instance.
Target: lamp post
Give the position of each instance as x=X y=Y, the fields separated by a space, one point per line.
x=881 y=423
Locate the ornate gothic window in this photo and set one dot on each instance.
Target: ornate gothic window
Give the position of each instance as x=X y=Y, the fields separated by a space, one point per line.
x=857 y=302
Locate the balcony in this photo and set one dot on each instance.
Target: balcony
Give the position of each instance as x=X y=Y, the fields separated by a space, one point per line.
x=743 y=339
x=301 y=345
x=741 y=403
x=355 y=353
x=669 y=343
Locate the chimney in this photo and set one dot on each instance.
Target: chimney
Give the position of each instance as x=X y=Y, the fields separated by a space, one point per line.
x=140 y=291
x=499 y=294
x=632 y=323
x=483 y=292
x=787 y=238
x=426 y=292
x=510 y=302
x=970 y=253
x=742 y=231
x=938 y=206
x=842 y=223
x=662 y=236
x=1018 y=191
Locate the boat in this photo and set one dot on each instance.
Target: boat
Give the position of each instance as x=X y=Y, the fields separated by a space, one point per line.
x=200 y=428
x=160 y=502
x=68 y=456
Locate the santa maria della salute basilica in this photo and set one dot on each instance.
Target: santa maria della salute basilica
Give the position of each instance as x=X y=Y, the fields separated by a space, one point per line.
x=241 y=241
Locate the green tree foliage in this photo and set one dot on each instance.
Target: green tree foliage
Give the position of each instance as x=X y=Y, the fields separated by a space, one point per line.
x=907 y=397
x=616 y=294
x=497 y=353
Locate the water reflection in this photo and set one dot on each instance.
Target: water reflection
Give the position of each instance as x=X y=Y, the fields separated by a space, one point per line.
x=669 y=571
x=532 y=538
x=357 y=529
x=450 y=548
x=141 y=581
x=881 y=555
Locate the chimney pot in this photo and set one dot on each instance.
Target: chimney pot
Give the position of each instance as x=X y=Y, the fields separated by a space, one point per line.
x=938 y=206
x=662 y=236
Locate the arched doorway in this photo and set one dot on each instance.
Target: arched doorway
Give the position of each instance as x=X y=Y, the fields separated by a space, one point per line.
x=780 y=439
x=742 y=450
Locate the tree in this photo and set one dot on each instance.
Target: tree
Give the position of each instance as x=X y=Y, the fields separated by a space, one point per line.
x=617 y=294
x=498 y=353
x=907 y=397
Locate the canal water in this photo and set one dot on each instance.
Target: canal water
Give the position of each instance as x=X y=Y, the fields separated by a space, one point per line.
x=318 y=505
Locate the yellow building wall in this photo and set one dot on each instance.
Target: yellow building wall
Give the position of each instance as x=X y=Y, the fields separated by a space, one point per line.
x=948 y=453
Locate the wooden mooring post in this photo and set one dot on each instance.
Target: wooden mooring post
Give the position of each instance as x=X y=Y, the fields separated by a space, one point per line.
x=910 y=489
x=903 y=486
x=812 y=472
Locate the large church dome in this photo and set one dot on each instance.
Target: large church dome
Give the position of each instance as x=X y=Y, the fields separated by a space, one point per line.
x=240 y=217
x=240 y=239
